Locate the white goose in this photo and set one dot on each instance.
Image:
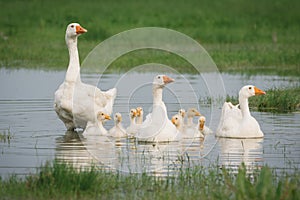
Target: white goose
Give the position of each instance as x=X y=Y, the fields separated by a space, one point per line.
x=157 y=127
x=97 y=128
x=238 y=123
x=201 y=126
x=177 y=120
x=77 y=103
x=132 y=128
x=117 y=130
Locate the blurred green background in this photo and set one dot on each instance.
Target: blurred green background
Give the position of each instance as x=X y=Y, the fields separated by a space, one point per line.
x=257 y=36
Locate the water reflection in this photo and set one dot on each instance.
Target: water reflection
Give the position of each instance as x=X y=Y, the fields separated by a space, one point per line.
x=69 y=148
x=233 y=152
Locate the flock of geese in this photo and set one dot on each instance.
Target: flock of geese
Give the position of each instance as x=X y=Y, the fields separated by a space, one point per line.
x=80 y=105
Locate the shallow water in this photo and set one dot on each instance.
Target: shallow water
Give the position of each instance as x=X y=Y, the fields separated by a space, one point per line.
x=26 y=113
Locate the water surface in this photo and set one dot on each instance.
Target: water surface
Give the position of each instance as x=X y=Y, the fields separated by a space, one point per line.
x=26 y=113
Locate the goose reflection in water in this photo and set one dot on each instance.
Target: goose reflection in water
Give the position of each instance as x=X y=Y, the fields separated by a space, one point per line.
x=237 y=151
x=70 y=149
x=85 y=151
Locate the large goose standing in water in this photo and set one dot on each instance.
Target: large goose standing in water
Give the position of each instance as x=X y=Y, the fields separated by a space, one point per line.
x=75 y=102
x=238 y=122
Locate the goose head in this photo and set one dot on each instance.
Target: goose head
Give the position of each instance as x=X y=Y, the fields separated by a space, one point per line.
x=177 y=120
x=201 y=122
x=162 y=80
x=182 y=112
x=101 y=116
x=192 y=112
x=249 y=91
x=118 y=118
x=74 y=30
x=139 y=111
x=132 y=113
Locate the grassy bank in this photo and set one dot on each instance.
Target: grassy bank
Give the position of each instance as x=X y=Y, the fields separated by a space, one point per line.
x=61 y=181
x=253 y=36
x=276 y=100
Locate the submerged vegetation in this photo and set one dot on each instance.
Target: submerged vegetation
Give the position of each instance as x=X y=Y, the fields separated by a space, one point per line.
x=62 y=181
x=276 y=100
x=241 y=36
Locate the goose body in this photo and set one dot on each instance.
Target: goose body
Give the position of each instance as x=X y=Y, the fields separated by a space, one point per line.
x=237 y=122
x=117 y=130
x=157 y=127
x=77 y=103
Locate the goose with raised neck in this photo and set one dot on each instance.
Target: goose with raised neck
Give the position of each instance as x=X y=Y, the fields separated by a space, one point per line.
x=236 y=120
x=77 y=103
x=157 y=127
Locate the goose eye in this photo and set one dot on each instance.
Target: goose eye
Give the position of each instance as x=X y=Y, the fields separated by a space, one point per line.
x=102 y=114
x=176 y=118
x=72 y=26
x=250 y=88
x=158 y=77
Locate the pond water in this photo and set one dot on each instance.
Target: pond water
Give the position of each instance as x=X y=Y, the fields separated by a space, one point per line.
x=37 y=135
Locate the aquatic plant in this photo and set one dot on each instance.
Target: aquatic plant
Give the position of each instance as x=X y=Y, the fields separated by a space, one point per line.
x=276 y=100
x=60 y=180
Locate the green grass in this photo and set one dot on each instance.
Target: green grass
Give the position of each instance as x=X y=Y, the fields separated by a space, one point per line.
x=62 y=181
x=276 y=100
x=245 y=36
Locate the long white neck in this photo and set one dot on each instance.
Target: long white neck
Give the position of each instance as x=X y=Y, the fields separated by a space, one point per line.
x=157 y=94
x=243 y=101
x=73 y=71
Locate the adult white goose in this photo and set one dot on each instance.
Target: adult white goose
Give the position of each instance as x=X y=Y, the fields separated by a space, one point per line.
x=132 y=128
x=157 y=127
x=117 y=130
x=237 y=122
x=96 y=128
x=77 y=103
x=201 y=126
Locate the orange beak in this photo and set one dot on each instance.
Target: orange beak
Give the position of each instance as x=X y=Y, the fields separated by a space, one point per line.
x=107 y=117
x=201 y=125
x=167 y=79
x=258 y=91
x=173 y=120
x=198 y=114
x=80 y=30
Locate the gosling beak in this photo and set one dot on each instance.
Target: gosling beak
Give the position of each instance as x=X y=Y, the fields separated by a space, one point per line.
x=167 y=79
x=173 y=121
x=107 y=117
x=201 y=125
x=138 y=112
x=80 y=30
x=258 y=91
x=197 y=114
